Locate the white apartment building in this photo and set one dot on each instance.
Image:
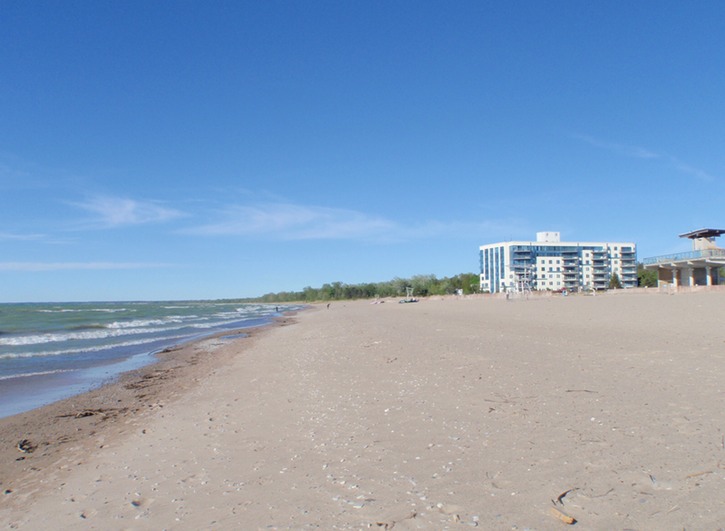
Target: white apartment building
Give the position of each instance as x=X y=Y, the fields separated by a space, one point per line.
x=550 y=264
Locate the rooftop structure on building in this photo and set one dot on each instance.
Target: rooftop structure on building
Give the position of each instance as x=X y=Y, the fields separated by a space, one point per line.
x=699 y=267
x=550 y=264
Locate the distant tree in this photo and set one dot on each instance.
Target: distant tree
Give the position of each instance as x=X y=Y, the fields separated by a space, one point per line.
x=423 y=284
x=470 y=283
x=398 y=285
x=369 y=290
x=327 y=292
x=646 y=278
x=310 y=294
x=614 y=282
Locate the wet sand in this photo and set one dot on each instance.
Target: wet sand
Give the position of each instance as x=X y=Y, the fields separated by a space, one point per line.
x=445 y=414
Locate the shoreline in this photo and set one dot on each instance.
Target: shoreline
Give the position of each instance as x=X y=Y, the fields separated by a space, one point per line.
x=62 y=431
x=445 y=414
x=53 y=351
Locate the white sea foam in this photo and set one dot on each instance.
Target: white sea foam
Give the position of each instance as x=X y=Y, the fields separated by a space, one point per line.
x=97 y=348
x=79 y=335
x=214 y=324
x=83 y=310
x=141 y=323
x=28 y=374
x=117 y=329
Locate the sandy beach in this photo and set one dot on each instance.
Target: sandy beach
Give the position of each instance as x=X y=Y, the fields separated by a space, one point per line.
x=446 y=414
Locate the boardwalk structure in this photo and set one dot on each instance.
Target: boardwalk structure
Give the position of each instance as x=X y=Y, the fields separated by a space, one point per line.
x=699 y=267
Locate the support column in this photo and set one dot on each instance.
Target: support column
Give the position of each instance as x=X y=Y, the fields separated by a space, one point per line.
x=708 y=275
x=674 y=277
x=691 y=276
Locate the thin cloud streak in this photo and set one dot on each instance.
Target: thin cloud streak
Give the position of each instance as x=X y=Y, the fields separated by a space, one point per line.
x=621 y=149
x=290 y=222
x=463 y=229
x=642 y=153
x=294 y=222
x=695 y=172
x=9 y=236
x=113 y=212
x=77 y=266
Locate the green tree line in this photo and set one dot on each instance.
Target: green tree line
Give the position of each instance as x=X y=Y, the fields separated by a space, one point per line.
x=423 y=286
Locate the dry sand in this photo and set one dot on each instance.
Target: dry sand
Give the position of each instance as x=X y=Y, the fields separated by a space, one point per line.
x=446 y=414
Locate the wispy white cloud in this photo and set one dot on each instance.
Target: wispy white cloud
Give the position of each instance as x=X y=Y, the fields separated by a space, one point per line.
x=643 y=153
x=461 y=229
x=295 y=222
x=621 y=149
x=12 y=176
x=76 y=266
x=111 y=211
x=287 y=221
x=10 y=236
x=695 y=172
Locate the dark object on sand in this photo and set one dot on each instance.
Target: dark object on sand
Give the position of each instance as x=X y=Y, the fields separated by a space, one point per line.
x=26 y=446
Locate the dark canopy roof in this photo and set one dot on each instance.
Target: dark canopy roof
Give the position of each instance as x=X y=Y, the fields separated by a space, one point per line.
x=703 y=233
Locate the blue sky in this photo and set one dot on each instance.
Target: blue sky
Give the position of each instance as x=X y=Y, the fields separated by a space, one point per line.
x=174 y=149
